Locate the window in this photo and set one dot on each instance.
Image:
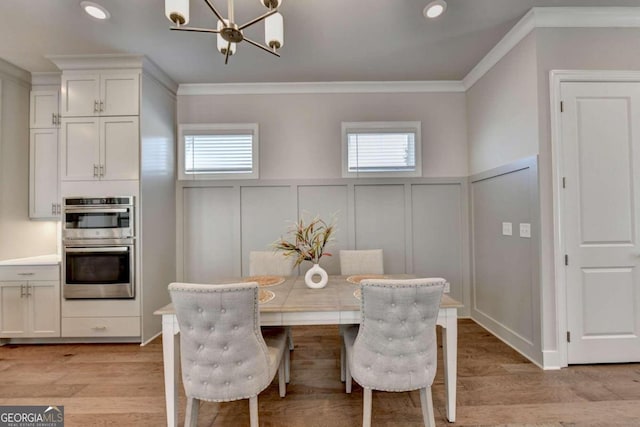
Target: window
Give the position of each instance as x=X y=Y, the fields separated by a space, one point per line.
x=381 y=149
x=218 y=151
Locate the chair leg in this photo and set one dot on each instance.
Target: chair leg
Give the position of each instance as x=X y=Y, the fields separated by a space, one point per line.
x=426 y=402
x=342 y=361
x=347 y=376
x=287 y=364
x=282 y=374
x=253 y=411
x=191 y=414
x=366 y=410
x=290 y=337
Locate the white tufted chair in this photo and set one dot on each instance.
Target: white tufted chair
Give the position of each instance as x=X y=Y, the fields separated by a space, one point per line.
x=394 y=348
x=276 y=264
x=269 y=262
x=368 y=261
x=362 y=261
x=224 y=355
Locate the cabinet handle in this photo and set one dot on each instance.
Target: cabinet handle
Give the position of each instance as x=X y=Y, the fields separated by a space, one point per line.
x=53 y=118
x=99 y=328
x=58 y=121
x=22 y=291
x=26 y=274
x=95 y=171
x=53 y=208
x=95 y=106
x=101 y=105
x=102 y=171
x=58 y=209
x=28 y=286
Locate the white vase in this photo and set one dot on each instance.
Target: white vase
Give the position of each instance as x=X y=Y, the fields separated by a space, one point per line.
x=314 y=271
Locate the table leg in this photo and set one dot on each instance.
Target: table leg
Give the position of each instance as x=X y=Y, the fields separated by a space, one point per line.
x=171 y=361
x=450 y=358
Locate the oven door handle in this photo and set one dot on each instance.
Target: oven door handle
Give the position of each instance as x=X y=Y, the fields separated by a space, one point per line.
x=104 y=210
x=97 y=249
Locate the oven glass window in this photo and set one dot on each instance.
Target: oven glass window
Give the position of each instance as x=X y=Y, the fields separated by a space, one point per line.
x=97 y=268
x=91 y=220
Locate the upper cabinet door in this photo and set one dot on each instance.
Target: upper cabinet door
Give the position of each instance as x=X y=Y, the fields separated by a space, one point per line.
x=80 y=95
x=43 y=109
x=111 y=93
x=119 y=94
x=79 y=149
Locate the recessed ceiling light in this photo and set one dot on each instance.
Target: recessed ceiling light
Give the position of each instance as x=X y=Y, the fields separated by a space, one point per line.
x=95 y=10
x=434 y=9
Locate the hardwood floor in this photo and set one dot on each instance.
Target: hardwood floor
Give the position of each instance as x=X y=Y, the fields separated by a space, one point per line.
x=122 y=385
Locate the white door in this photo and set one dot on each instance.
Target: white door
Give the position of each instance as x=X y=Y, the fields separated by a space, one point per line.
x=43 y=109
x=119 y=94
x=43 y=173
x=119 y=142
x=13 y=309
x=80 y=94
x=79 y=149
x=44 y=308
x=601 y=205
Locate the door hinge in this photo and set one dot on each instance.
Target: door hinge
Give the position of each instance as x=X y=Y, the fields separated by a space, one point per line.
x=562 y=106
x=564 y=182
x=568 y=336
x=566 y=259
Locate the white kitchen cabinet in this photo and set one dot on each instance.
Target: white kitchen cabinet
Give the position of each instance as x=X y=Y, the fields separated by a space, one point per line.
x=107 y=93
x=29 y=301
x=43 y=109
x=104 y=148
x=44 y=188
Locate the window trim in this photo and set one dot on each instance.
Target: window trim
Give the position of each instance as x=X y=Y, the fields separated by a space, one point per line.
x=184 y=128
x=386 y=127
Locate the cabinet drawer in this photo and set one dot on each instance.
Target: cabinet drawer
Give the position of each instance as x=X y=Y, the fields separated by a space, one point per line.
x=29 y=272
x=101 y=326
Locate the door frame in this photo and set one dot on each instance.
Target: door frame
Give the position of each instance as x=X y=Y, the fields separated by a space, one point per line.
x=556 y=78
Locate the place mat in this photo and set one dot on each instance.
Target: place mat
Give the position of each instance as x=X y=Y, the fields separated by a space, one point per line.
x=358 y=293
x=265 y=296
x=264 y=281
x=360 y=277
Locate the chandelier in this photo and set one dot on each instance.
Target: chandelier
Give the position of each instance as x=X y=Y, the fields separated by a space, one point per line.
x=228 y=32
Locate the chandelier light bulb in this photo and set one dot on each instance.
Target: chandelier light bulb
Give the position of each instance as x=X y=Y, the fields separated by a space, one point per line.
x=274 y=31
x=177 y=11
x=222 y=43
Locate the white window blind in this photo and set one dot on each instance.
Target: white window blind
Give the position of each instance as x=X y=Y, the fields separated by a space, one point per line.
x=381 y=152
x=218 y=151
x=381 y=149
x=222 y=153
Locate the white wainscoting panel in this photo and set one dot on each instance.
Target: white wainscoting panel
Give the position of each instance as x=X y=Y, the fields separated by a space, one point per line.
x=380 y=223
x=437 y=224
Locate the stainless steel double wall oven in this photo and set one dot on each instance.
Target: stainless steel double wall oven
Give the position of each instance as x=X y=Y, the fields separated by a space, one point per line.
x=98 y=247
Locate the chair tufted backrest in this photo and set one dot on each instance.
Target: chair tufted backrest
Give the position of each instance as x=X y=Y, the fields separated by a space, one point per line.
x=223 y=354
x=268 y=262
x=367 y=261
x=395 y=349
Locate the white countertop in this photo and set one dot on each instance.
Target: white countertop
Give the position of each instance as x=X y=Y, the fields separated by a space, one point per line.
x=52 y=259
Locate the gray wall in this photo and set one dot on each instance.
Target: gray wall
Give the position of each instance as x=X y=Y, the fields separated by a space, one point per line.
x=300 y=133
x=505 y=291
x=421 y=224
x=19 y=236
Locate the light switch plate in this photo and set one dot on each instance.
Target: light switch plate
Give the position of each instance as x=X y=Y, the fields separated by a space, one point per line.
x=525 y=230
x=507 y=229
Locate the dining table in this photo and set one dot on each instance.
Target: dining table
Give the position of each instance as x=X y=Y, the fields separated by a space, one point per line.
x=289 y=302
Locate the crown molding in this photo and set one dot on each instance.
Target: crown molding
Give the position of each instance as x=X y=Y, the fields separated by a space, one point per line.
x=95 y=62
x=553 y=17
x=45 y=78
x=320 y=87
x=152 y=70
x=12 y=72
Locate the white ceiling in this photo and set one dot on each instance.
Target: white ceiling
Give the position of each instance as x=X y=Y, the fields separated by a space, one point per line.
x=330 y=40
